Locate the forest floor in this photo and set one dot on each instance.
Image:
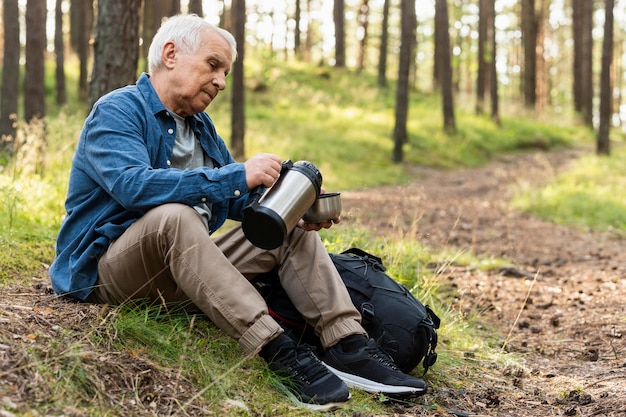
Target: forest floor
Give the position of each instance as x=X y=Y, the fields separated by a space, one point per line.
x=571 y=331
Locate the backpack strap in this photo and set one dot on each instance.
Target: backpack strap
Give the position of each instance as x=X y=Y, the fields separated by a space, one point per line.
x=367 y=257
x=431 y=356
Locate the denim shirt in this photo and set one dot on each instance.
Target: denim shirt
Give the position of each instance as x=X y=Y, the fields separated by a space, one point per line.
x=121 y=169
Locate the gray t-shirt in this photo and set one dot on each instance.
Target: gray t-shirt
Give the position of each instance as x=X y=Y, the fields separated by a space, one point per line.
x=188 y=154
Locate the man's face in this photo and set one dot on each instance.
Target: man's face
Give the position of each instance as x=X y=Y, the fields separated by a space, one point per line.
x=198 y=77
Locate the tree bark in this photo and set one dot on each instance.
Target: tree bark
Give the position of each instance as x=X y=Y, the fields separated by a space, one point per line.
x=577 y=68
x=484 y=56
x=10 y=76
x=297 y=33
x=195 y=7
x=543 y=63
x=34 y=91
x=407 y=33
x=582 y=25
x=587 y=63
x=116 y=47
x=238 y=118
x=603 y=146
x=443 y=57
x=340 y=35
x=59 y=50
x=493 y=73
x=529 y=39
x=153 y=12
x=363 y=22
x=384 y=41
x=310 y=33
x=81 y=23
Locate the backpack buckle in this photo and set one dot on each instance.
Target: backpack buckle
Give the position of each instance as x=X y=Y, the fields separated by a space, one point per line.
x=367 y=310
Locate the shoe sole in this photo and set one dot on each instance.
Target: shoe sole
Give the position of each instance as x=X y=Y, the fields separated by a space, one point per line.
x=354 y=381
x=330 y=406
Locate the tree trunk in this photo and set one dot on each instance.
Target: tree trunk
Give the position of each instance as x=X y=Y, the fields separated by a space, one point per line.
x=310 y=33
x=442 y=55
x=436 y=69
x=238 y=119
x=577 y=68
x=407 y=33
x=587 y=63
x=542 y=89
x=340 y=35
x=116 y=47
x=195 y=7
x=174 y=8
x=493 y=73
x=529 y=39
x=603 y=146
x=59 y=50
x=582 y=26
x=384 y=40
x=81 y=20
x=34 y=91
x=483 y=56
x=10 y=76
x=153 y=12
x=297 y=33
x=363 y=22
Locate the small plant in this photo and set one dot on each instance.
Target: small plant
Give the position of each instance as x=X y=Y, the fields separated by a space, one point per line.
x=10 y=202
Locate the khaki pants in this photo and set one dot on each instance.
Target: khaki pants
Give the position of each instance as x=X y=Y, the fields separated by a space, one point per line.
x=168 y=255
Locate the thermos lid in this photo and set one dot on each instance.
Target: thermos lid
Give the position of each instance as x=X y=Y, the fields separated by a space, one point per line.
x=312 y=173
x=264 y=228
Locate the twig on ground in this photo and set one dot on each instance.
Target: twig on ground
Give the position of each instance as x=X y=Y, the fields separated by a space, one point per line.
x=508 y=337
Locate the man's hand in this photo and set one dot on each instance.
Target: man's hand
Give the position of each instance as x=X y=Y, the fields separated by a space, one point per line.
x=262 y=169
x=317 y=226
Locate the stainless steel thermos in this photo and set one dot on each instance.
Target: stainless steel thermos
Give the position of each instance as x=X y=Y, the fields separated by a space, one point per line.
x=272 y=213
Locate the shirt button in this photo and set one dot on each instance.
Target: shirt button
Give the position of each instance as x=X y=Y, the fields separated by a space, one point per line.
x=170 y=131
x=237 y=193
x=169 y=163
x=203 y=199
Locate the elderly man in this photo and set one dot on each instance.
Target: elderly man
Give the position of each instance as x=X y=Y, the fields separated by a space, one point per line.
x=151 y=181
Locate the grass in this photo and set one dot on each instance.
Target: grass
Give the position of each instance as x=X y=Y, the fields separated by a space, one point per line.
x=590 y=195
x=340 y=121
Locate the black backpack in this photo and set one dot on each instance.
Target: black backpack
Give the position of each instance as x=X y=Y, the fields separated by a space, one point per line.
x=400 y=324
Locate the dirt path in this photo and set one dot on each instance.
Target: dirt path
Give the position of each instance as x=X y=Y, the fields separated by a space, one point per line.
x=571 y=332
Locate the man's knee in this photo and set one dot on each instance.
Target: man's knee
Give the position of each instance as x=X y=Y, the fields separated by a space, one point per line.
x=178 y=216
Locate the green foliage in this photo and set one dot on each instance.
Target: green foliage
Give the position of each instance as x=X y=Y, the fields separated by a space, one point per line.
x=589 y=195
x=343 y=123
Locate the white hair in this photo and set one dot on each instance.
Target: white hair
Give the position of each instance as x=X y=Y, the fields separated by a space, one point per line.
x=186 y=32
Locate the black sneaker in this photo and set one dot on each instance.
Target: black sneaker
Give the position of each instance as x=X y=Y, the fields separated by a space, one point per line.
x=371 y=369
x=306 y=380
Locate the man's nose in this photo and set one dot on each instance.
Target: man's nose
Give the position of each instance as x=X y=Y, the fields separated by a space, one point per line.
x=220 y=82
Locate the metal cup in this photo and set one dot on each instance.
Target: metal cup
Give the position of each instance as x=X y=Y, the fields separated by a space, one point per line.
x=327 y=207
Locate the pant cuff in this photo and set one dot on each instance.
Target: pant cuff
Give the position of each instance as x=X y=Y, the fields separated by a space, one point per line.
x=262 y=331
x=333 y=334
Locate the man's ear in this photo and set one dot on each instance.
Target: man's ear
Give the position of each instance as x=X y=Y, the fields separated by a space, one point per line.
x=168 y=54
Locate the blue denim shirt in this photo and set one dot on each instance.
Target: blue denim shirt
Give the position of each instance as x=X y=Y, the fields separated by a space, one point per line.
x=121 y=170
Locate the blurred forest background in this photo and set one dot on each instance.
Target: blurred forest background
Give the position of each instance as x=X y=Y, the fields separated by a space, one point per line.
x=540 y=57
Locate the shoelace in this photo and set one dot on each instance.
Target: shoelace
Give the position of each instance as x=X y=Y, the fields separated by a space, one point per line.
x=304 y=365
x=381 y=356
